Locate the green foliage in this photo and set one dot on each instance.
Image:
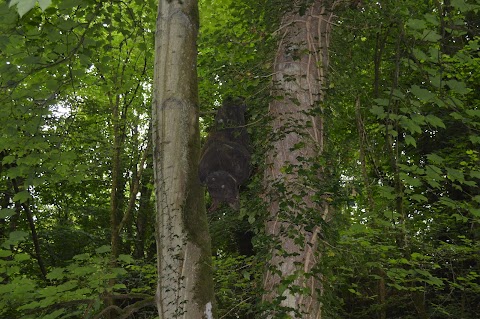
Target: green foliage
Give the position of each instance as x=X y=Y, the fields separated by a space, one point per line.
x=412 y=229
x=405 y=238
x=233 y=44
x=63 y=72
x=74 y=290
x=235 y=293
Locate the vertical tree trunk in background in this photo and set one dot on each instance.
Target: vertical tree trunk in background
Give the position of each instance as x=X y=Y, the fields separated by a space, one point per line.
x=299 y=76
x=118 y=183
x=185 y=285
x=145 y=208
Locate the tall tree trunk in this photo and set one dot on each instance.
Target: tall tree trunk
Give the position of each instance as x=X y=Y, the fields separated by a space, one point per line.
x=185 y=285
x=144 y=216
x=118 y=183
x=293 y=173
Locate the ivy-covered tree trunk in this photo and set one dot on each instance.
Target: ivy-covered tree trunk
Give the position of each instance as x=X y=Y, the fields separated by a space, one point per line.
x=185 y=286
x=297 y=203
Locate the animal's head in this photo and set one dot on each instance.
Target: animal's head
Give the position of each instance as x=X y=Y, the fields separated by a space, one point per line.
x=223 y=188
x=232 y=113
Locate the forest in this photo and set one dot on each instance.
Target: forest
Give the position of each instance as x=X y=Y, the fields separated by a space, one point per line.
x=240 y=159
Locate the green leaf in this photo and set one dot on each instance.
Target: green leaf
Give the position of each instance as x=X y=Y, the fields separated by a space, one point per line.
x=455 y=175
x=17 y=236
x=460 y=5
x=119 y=286
x=409 y=140
x=5 y=253
x=410 y=180
x=477 y=198
x=418 y=118
x=22 y=257
x=378 y=111
x=435 y=80
x=475 y=139
x=419 y=198
x=422 y=94
x=475 y=212
x=44 y=4
x=416 y=24
x=387 y=192
x=448 y=202
x=84 y=256
x=22 y=197
x=431 y=36
x=23 y=6
x=435 y=121
x=411 y=125
x=473 y=113
x=6 y=212
x=435 y=159
x=57 y=313
x=458 y=87
x=9 y=159
x=420 y=55
x=103 y=249
x=432 y=280
x=82 y=271
x=56 y=273
x=126 y=259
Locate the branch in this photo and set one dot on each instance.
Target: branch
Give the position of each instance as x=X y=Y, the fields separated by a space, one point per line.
x=135 y=185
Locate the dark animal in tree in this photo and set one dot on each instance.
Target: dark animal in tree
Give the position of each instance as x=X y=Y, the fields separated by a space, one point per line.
x=225 y=160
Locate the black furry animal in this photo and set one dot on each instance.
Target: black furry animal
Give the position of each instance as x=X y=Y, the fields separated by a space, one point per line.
x=225 y=160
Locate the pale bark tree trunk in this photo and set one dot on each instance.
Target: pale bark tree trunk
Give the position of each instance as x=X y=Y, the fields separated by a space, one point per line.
x=185 y=286
x=293 y=174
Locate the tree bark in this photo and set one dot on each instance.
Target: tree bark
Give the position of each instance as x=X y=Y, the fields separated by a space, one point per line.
x=293 y=174
x=185 y=285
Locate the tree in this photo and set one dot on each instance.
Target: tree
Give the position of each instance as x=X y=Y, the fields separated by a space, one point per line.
x=185 y=287
x=294 y=177
x=369 y=191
